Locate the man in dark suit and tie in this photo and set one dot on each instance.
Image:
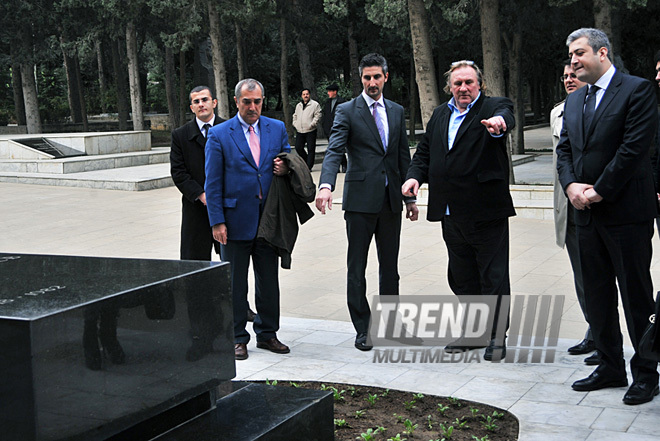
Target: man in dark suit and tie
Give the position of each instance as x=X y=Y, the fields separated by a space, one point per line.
x=240 y=163
x=372 y=130
x=329 y=110
x=604 y=167
x=463 y=158
x=187 y=169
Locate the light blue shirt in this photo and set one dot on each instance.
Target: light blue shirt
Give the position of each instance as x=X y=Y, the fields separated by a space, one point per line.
x=603 y=83
x=382 y=113
x=455 y=119
x=246 y=129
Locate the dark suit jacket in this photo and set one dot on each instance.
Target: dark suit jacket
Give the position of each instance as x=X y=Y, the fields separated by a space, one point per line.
x=614 y=154
x=187 y=169
x=329 y=115
x=233 y=180
x=354 y=131
x=472 y=177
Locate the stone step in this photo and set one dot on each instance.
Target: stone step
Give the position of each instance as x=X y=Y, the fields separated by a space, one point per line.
x=79 y=164
x=136 y=178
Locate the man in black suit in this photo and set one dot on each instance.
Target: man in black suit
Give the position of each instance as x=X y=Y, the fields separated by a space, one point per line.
x=463 y=158
x=372 y=130
x=329 y=109
x=187 y=168
x=604 y=167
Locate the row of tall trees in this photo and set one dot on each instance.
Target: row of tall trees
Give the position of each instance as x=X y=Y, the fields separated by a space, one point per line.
x=128 y=56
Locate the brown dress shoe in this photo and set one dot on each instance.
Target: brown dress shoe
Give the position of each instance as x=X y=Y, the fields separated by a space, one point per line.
x=251 y=315
x=274 y=345
x=240 y=351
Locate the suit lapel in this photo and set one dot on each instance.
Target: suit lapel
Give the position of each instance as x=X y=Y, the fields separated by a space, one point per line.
x=368 y=118
x=194 y=134
x=264 y=139
x=392 y=123
x=241 y=143
x=610 y=93
x=469 y=118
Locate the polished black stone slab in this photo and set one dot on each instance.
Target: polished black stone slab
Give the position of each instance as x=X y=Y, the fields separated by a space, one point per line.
x=251 y=411
x=90 y=347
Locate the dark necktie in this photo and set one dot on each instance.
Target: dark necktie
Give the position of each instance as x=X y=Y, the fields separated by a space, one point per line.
x=590 y=108
x=206 y=128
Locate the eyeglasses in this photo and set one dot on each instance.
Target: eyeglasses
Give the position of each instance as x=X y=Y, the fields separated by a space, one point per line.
x=565 y=77
x=201 y=100
x=461 y=63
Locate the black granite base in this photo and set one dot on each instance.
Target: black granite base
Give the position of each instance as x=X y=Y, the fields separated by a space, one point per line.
x=90 y=347
x=249 y=411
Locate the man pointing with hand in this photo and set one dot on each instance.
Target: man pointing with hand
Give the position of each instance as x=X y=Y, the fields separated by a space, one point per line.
x=463 y=158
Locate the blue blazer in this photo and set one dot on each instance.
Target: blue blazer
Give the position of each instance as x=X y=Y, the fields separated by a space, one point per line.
x=233 y=180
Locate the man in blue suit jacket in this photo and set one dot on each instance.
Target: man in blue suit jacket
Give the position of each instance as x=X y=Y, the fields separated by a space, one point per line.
x=240 y=163
x=604 y=167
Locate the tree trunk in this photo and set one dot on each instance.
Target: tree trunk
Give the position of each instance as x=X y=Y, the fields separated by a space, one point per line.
x=219 y=70
x=120 y=85
x=514 y=46
x=413 y=103
x=33 y=119
x=82 y=105
x=184 y=100
x=170 y=90
x=492 y=49
x=17 y=85
x=305 y=62
x=102 y=84
x=134 y=76
x=427 y=82
x=603 y=16
x=354 y=59
x=72 y=87
x=284 y=78
x=240 y=53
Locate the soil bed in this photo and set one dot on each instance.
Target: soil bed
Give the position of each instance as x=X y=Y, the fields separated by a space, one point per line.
x=360 y=408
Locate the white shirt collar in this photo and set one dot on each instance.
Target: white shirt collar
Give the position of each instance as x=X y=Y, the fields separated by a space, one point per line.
x=604 y=81
x=246 y=126
x=201 y=123
x=370 y=101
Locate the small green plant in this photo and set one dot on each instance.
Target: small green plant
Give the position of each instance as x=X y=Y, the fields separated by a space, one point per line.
x=296 y=385
x=386 y=393
x=483 y=438
x=324 y=387
x=446 y=431
x=474 y=411
x=371 y=399
x=352 y=390
x=442 y=409
x=370 y=434
x=489 y=424
x=359 y=413
x=429 y=421
x=410 y=427
x=418 y=397
x=455 y=401
x=399 y=418
x=409 y=405
x=271 y=383
x=341 y=423
x=461 y=424
x=337 y=394
x=396 y=438
x=497 y=415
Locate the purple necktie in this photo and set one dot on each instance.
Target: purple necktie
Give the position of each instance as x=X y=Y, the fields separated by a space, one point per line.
x=379 y=124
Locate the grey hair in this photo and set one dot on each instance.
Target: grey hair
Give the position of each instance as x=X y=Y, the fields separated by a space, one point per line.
x=595 y=38
x=251 y=84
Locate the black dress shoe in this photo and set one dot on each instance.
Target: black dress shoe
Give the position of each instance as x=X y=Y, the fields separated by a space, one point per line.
x=593 y=359
x=361 y=342
x=584 y=347
x=274 y=345
x=461 y=346
x=640 y=392
x=251 y=315
x=495 y=351
x=597 y=380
